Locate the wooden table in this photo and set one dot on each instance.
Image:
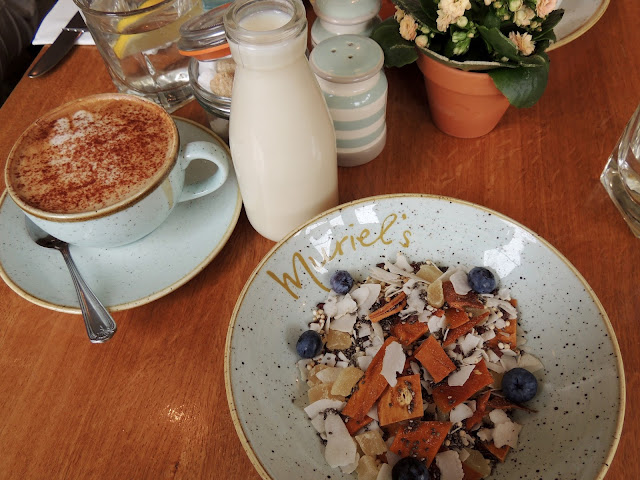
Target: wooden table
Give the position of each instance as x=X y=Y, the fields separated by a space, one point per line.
x=151 y=403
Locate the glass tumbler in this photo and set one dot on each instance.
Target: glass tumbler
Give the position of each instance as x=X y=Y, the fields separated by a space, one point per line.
x=138 y=42
x=621 y=175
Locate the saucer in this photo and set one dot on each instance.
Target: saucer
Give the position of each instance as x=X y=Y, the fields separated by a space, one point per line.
x=131 y=275
x=579 y=17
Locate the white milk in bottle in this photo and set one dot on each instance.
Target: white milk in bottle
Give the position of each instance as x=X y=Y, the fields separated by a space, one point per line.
x=281 y=134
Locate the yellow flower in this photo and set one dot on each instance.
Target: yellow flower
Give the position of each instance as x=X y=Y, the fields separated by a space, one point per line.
x=408 y=27
x=524 y=42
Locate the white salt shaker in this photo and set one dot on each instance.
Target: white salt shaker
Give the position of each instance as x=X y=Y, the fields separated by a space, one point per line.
x=340 y=17
x=281 y=135
x=349 y=71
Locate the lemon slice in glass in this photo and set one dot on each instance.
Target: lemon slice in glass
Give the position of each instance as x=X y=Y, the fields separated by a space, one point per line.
x=127 y=44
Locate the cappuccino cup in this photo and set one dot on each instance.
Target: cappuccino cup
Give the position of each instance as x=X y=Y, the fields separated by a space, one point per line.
x=106 y=170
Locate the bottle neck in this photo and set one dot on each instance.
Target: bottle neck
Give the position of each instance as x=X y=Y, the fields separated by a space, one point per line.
x=266 y=34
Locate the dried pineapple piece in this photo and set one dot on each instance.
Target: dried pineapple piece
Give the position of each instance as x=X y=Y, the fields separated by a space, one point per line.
x=367 y=468
x=429 y=272
x=322 y=391
x=346 y=380
x=371 y=443
x=435 y=294
x=337 y=340
x=313 y=380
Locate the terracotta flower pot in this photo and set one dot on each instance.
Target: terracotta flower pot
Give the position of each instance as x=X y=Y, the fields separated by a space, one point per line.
x=463 y=104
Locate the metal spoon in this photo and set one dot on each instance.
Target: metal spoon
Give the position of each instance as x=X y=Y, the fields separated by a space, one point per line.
x=99 y=322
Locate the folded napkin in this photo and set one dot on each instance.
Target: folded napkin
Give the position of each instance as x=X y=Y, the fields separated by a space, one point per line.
x=55 y=21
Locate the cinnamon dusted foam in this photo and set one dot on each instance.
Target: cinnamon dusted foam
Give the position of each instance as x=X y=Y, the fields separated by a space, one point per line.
x=92 y=153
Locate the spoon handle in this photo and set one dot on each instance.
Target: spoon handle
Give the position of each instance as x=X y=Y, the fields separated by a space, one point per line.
x=97 y=319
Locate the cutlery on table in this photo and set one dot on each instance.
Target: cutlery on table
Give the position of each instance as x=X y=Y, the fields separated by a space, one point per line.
x=60 y=47
x=99 y=322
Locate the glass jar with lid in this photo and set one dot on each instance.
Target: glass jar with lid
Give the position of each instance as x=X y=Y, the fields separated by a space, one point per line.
x=211 y=69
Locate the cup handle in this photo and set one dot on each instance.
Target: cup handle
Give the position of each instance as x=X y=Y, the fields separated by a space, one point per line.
x=212 y=153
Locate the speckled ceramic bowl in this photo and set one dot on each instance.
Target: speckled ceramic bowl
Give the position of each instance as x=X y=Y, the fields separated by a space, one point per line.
x=580 y=404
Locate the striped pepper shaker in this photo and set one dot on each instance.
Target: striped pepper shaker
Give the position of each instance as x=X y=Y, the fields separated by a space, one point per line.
x=343 y=17
x=349 y=71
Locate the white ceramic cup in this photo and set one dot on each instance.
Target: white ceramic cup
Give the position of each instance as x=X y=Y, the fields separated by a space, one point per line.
x=143 y=209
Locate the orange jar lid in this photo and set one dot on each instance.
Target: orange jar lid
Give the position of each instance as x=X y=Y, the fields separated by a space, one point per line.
x=204 y=37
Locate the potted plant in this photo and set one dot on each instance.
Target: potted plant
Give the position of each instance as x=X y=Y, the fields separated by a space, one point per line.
x=477 y=56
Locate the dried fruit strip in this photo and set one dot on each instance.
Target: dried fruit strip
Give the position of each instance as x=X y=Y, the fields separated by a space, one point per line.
x=447 y=397
x=456 y=333
x=369 y=387
x=433 y=357
x=421 y=441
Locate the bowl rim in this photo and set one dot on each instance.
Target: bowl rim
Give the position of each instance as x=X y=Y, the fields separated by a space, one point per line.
x=244 y=440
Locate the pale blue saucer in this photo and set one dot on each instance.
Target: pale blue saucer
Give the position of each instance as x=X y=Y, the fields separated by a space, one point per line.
x=134 y=274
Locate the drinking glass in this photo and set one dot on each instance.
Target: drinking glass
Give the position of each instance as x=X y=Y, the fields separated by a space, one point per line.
x=621 y=175
x=138 y=42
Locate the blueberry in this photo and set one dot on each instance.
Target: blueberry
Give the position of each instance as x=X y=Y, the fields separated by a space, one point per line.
x=481 y=280
x=309 y=344
x=519 y=385
x=410 y=468
x=341 y=282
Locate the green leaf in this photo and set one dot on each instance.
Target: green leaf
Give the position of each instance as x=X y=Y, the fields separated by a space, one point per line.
x=398 y=52
x=523 y=86
x=500 y=43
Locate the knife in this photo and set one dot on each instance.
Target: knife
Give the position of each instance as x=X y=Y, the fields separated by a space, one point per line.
x=60 y=47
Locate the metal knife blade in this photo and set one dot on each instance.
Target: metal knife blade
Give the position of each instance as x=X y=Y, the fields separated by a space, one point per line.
x=60 y=47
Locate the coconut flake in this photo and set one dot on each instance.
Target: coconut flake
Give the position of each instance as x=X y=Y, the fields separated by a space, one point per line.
x=485 y=434
x=378 y=334
x=365 y=296
x=506 y=433
x=328 y=359
x=341 y=449
x=459 y=413
x=373 y=413
x=363 y=362
x=318 y=423
x=393 y=362
x=460 y=282
x=346 y=305
x=474 y=358
x=469 y=343
x=323 y=404
x=363 y=329
x=436 y=323
x=382 y=275
x=302 y=366
x=450 y=465
x=352 y=467
x=504 y=305
x=330 y=307
x=498 y=416
x=328 y=375
x=460 y=376
x=344 y=323
x=529 y=362
x=508 y=362
x=495 y=366
x=385 y=472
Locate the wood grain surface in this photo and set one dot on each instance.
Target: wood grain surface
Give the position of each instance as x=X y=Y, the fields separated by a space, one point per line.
x=151 y=403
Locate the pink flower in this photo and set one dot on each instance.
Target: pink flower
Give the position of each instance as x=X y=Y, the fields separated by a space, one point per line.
x=545 y=7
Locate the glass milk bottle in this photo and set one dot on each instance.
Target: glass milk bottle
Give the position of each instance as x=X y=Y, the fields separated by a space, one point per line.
x=281 y=134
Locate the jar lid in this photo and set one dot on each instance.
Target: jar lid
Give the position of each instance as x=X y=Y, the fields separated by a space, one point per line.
x=204 y=36
x=346 y=12
x=346 y=58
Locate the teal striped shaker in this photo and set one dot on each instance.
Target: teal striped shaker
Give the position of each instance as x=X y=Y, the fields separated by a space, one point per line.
x=349 y=71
